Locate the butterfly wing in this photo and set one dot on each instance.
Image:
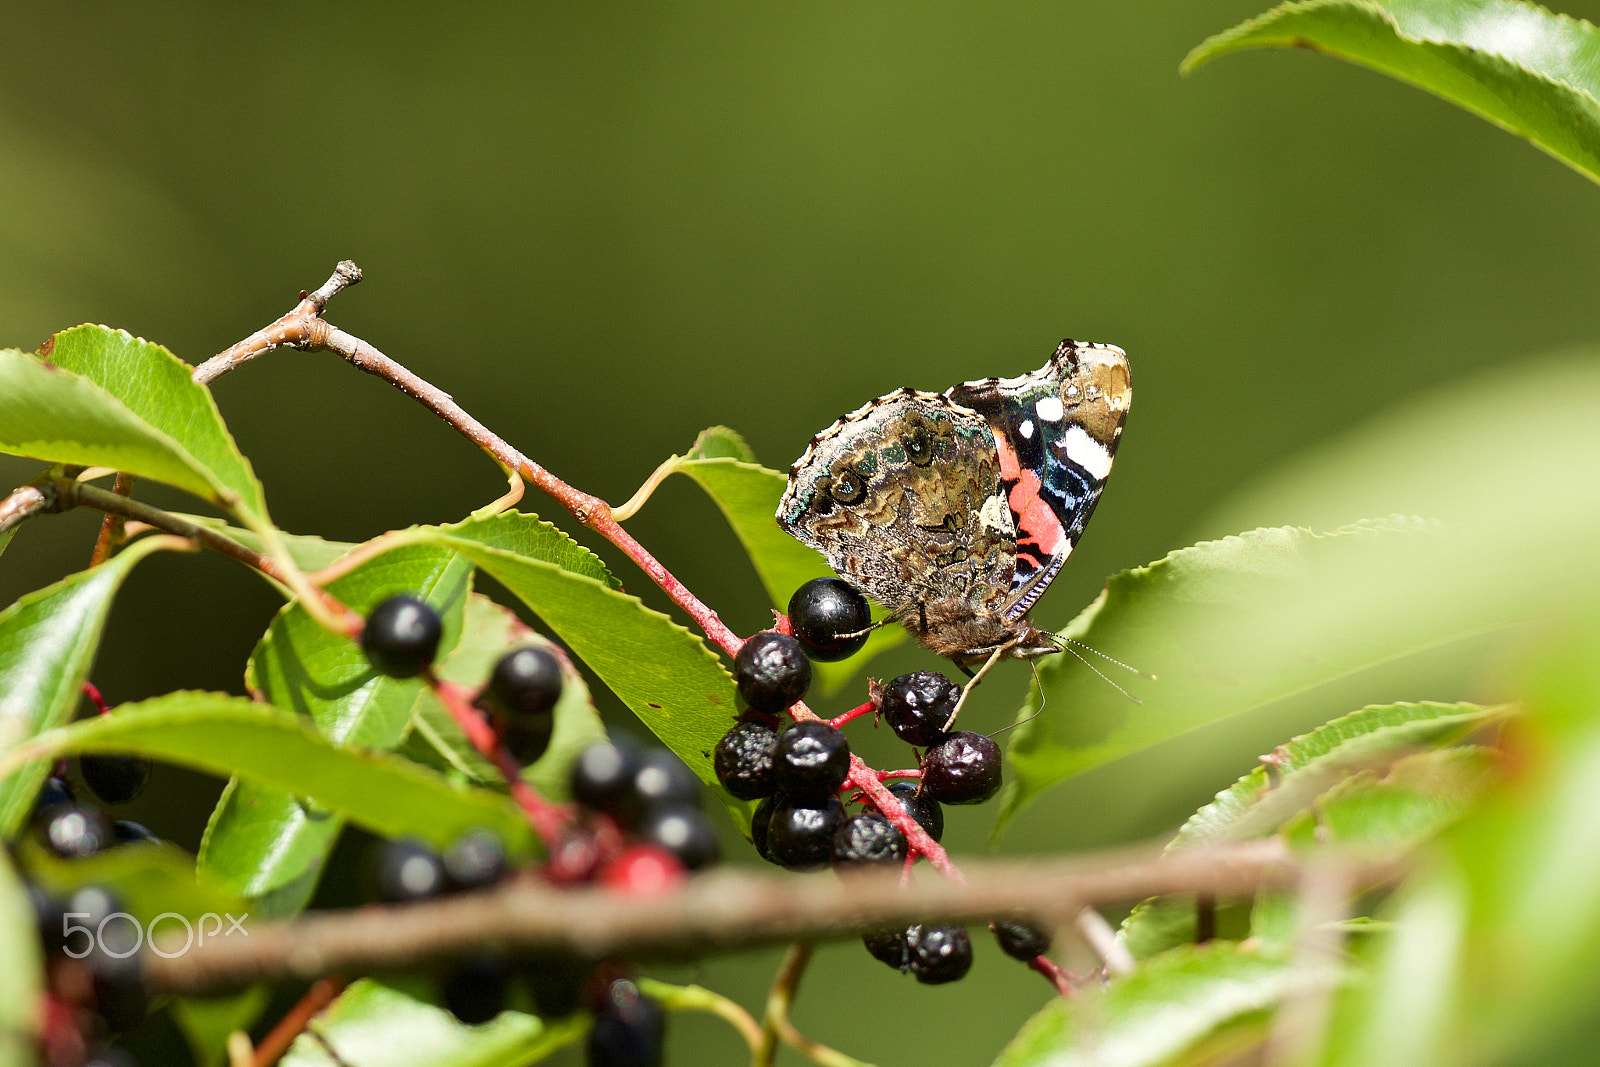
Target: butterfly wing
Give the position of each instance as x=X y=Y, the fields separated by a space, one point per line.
x=903 y=498
x=1056 y=432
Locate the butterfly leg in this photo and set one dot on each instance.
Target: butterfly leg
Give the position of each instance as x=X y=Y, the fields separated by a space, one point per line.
x=994 y=657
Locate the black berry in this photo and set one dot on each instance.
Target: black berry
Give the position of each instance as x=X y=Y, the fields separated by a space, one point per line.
x=829 y=618
x=115 y=779
x=556 y=983
x=810 y=761
x=917 y=706
x=475 y=859
x=475 y=989
x=124 y=832
x=889 y=946
x=923 y=808
x=55 y=793
x=772 y=671
x=743 y=760
x=111 y=1057
x=662 y=780
x=628 y=1029
x=760 y=824
x=938 y=954
x=801 y=837
x=1021 y=941
x=74 y=831
x=409 y=870
x=527 y=739
x=868 y=839
x=119 y=993
x=401 y=636
x=602 y=780
x=683 y=831
x=964 y=768
x=525 y=683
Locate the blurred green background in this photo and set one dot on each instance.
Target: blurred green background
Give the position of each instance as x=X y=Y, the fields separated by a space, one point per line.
x=603 y=228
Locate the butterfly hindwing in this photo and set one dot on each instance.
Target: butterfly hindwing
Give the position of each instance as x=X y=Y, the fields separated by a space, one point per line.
x=1056 y=432
x=903 y=498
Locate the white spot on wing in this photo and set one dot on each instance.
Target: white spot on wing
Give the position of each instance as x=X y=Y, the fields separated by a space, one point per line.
x=994 y=515
x=1026 y=430
x=1050 y=409
x=1087 y=453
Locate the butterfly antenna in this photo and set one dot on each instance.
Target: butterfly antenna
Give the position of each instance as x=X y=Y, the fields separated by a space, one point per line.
x=1066 y=643
x=1038 y=684
x=1109 y=659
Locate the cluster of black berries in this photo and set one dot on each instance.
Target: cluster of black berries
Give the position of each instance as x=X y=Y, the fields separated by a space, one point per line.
x=93 y=974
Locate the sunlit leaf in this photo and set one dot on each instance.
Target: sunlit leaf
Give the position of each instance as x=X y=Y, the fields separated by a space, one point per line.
x=1534 y=73
x=48 y=639
x=21 y=970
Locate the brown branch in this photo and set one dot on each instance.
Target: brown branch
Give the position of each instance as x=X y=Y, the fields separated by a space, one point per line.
x=720 y=911
x=323 y=991
x=112 y=528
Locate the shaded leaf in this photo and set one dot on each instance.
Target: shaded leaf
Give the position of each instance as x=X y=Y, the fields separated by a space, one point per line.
x=150 y=880
x=48 y=639
x=1534 y=73
x=267 y=844
x=1170 y=1005
x=206 y=1022
x=221 y=734
x=373 y=1023
x=21 y=969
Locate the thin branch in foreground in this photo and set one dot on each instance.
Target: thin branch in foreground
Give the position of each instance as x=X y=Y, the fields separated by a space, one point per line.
x=719 y=911
x=775 y=1022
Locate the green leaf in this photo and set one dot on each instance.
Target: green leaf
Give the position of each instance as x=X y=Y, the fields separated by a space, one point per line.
x=266 y=843
x=1178 y=1001
x=1528 y=71
x=373 y=1023
x=488 y=632
x=308 y=552
x=221 y=734
x=721 y=442
x=5 y=538
x=21 y=970
x=1308 y=771
x=747 y=495
x=663 y=673
x=154 y=387
x=150 y=879
x=528 y=536
x=207 y=1021
x=47 y=642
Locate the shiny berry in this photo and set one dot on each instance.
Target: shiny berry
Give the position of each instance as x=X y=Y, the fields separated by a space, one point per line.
x=602 y=780
x=868 y=840
x=75 y=831
x=642 y=870
x=829 y=618
x=409 y=870
x=964 y=768
x=575 y=857
x=629 y=1028
x=527 y=739
x=684 y=832
x=525 y=683
x=115 y=779
x=938 y=954
x=810 y=760
x=475 y=989
x=801 y=837
x=889 y=946
x=401 y=636
x=55 y=793
x=475 y=859
x=760 y=824
x=743 y=760
x=662 y=780
x=1021 y=941
x=771 y=671
x=921 y=807
x=917 y=706
x=124 y=832
x=556 y=983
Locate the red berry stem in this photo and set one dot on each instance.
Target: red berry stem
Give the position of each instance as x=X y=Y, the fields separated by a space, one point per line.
x=548 y=820
x=93 y=693
x=854 y=713
x=907 y=772
x=1055 y=974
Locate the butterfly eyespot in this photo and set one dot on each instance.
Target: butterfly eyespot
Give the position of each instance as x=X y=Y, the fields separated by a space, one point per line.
x=848 y=489
x=919 y=446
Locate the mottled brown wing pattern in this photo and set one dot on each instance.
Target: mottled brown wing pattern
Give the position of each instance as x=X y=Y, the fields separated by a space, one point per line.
x=903 y=498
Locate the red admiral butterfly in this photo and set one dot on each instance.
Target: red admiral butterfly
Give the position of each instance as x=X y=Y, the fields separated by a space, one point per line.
x=956 y=510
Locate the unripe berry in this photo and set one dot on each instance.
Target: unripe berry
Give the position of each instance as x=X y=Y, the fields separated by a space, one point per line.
x=771 y=671
x=917 y=705
x=829 y=618
x=743 y=760
x=964 y=768
x=938 y=954
x=642 y=870
x=810 y=761
x=401 y=636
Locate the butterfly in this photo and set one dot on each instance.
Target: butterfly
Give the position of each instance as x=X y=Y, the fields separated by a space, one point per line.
x=955 y=510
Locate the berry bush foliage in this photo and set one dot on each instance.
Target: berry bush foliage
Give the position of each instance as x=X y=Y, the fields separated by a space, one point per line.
x=1410 y=882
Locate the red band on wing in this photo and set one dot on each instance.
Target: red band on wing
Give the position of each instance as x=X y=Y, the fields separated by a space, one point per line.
x=1038 y=527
